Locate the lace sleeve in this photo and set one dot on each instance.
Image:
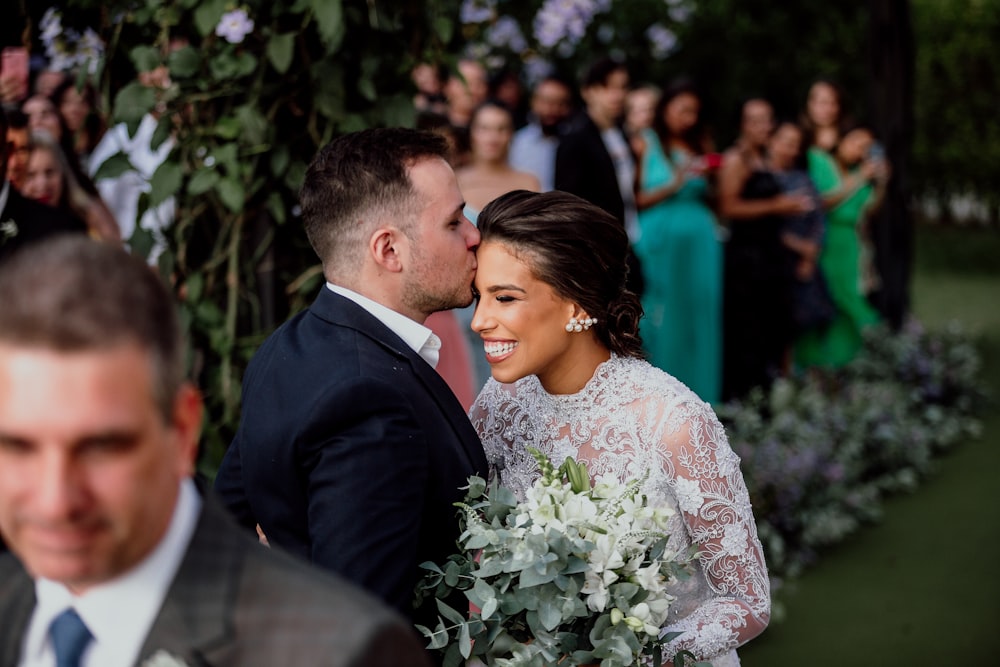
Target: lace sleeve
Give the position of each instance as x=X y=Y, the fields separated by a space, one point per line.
x=489 y=416
x=715 y=507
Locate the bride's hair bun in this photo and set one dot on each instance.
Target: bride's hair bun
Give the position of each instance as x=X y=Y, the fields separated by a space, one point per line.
x=576 y=248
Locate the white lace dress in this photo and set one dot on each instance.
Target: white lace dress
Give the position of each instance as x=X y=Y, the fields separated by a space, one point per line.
x=632 y=417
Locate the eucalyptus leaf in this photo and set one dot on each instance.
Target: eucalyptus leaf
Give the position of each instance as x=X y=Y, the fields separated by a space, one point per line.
x=449 y=613
x=464 y=641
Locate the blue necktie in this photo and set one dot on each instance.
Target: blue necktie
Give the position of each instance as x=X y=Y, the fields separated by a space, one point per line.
x=69 y=638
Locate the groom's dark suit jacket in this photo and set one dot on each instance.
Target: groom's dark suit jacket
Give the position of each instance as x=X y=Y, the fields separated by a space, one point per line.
x=351 y=450
x=236 y=603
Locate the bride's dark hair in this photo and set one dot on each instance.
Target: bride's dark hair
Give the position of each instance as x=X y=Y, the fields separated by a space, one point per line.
x=576 y=248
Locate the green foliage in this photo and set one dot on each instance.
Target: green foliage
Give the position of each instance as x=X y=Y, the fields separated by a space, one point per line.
x=245 y=119
x=957 y=145
x=821 y=451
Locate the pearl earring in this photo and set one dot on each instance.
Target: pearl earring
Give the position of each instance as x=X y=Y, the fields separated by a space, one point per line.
x=575 y=326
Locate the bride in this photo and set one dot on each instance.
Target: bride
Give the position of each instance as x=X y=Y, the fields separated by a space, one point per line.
x=561 y=336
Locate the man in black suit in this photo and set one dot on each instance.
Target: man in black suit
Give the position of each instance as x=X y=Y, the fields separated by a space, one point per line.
x=120 y=558
x=351 y=449
x=23 y=221
x=594 y=160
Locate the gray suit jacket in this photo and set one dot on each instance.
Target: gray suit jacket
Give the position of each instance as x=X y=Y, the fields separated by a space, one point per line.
x=234 y=602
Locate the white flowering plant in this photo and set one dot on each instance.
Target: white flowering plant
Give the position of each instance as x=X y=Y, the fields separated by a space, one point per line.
x=574 y=575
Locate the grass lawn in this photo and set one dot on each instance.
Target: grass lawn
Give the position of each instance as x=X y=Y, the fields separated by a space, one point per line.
x=918 y=588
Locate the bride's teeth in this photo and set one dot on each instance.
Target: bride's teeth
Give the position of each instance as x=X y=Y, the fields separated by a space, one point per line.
x=498 y=349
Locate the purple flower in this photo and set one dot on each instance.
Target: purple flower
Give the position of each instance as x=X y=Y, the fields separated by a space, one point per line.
x=506 y=33
x=477 y=11
x=662 y=40
x=234 y=26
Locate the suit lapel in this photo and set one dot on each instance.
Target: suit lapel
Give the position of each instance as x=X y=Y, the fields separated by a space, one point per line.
x=17 y=601
x=196 y=615
x=335 y=308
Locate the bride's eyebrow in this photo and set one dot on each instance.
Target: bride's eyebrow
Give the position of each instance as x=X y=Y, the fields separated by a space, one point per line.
x=493 y=289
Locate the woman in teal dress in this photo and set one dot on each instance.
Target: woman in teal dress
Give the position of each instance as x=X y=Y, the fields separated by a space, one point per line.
x=851 y=185
x=678 y=247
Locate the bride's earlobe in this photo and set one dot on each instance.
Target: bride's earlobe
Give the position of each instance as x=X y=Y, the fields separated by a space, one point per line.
x=576 y=325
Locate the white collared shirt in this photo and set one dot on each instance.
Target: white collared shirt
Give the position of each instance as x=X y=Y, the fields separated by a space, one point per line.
x=417 y=337
x=121 y=612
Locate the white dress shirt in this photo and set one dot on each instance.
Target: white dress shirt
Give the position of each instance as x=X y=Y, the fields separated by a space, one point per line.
x=121 y=612
x=417 y=337
x=532 y=151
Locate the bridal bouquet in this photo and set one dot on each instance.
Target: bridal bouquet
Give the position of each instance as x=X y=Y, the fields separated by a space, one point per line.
x=574 y=575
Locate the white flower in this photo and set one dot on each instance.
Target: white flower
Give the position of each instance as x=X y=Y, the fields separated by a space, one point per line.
x=688 y=495
x=163 y=659
x=234 y=26
x=596 y=592
x=734 y=539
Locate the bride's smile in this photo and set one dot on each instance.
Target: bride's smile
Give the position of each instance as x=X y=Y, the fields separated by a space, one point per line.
x=522 y=321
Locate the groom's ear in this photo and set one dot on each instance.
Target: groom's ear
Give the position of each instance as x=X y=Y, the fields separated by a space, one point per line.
x=387 y=245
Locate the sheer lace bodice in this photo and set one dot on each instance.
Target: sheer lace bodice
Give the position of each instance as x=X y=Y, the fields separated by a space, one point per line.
x=630 y=418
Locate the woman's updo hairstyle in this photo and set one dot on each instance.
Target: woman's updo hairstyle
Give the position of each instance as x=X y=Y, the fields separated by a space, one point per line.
x=576 y=248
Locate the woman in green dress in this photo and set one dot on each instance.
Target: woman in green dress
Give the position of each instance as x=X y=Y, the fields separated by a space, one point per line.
x=852 y=185
x=678 y=247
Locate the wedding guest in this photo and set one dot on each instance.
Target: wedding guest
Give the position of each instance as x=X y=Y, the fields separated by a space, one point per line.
x=825 y=114
x=853 y=185
x=119 y=558
x=24 y=221
x=17 y=147
x=757 y=301
x=489 y=173
x=678 y=245
x=505 y=86
x=802 y=234
x=594 y=160
x=429 y=98
x=49 y=180
x=465 y=89
x=43 y=115
x=487 y=176
x=77 y=106
x=562 y=337
x=533 y=148
x=351 y=449
x=640 y=109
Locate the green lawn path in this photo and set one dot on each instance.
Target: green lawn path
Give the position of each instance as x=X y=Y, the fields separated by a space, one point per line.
x=922 y=586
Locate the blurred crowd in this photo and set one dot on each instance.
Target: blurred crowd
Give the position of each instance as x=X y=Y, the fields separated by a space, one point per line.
x=753 y=261
x=58 y=137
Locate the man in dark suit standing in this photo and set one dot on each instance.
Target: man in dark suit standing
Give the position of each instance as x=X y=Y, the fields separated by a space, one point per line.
x=594 y=160
x=23 y=221
x=351 y=449
x=121 y=560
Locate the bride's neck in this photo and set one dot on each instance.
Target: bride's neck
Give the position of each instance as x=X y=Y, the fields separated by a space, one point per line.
x=571 y=372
